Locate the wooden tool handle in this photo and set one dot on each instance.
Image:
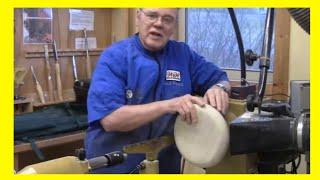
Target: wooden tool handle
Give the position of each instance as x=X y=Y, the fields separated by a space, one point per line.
x=88 y=63
x=58 y=78
x=40 y=93
x=88 y=66
x=48 y=68
x=50 y=83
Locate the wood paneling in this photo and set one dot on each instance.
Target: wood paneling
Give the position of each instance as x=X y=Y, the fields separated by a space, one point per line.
x=281 y=60
x=132 y=21
x=120 y=24
x=112 y=25
x=65 y=39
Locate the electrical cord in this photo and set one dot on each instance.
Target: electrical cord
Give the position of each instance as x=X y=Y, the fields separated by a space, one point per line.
x=295 y=166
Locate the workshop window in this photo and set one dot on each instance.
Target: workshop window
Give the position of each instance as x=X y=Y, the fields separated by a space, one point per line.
x=209 y=31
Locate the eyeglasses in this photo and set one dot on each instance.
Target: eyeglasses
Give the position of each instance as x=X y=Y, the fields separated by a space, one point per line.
x=153 y=17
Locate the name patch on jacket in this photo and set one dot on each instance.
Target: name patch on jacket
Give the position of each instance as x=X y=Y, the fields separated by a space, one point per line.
x=173 y=75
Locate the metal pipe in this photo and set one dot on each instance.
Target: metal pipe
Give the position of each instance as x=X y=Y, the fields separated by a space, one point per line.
x=240 y=45
x=265 y=54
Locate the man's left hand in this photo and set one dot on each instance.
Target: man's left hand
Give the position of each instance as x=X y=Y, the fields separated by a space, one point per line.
x=218 y=98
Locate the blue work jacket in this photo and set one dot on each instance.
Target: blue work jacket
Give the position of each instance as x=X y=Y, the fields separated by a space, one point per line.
x=129 y=74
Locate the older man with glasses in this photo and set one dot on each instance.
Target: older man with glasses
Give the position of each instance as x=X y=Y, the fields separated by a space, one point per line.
x=139 y=86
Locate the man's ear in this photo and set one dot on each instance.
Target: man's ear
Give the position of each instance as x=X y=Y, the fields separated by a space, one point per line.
x=138 y=16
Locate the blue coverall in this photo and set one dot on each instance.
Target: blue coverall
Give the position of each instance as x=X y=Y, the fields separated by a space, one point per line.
x=129 y=74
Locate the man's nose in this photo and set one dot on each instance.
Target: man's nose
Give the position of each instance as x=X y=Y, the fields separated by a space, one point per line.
x=158 y=22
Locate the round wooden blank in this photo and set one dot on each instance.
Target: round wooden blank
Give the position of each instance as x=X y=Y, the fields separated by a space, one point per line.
x=205 y=143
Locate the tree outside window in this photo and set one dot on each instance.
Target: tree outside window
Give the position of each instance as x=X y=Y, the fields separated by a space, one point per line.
x=210 y=33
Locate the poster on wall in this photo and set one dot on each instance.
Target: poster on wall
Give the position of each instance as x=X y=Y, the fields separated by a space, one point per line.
x=80 y=43
x=81 y=19
x=37 y=25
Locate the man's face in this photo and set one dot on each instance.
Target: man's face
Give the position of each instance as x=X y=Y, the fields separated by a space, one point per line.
x=156 y=26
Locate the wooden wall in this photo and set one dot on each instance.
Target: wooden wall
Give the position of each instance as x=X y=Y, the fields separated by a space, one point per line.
x=112 y=25
x=109 y=25
x=282 y=46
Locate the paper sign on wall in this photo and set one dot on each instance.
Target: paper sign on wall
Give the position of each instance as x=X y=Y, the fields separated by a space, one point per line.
x=80 y=19
x=80 y=43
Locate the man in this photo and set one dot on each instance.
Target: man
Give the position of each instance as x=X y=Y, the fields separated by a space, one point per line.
x=139 y=86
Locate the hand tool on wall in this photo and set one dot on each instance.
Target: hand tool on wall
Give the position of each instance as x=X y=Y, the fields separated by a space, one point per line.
x=58 y=76
x=88 y=62
x=38 y=86
x=48 y=68
x=75 y=73
x=80 y=87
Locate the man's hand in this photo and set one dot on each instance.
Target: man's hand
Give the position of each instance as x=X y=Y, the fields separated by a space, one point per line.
x=184 y=106
x=218 y=98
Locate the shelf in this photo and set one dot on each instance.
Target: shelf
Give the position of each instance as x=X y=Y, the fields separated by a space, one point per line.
x=23 y=106
x=38 y=104
x=64 y=53
x=24 y=101
x=58 y=140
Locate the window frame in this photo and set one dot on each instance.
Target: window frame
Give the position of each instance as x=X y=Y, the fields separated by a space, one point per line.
x=279 y=78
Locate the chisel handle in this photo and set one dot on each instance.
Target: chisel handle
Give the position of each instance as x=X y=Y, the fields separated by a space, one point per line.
x=58 y=78
x=38 y=86
x=40 y=92
x=88 y=62
x=88 y=66
x=50 y=83
x=48 y=68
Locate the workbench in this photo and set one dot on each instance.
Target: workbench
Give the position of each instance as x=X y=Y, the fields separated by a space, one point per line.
x=54 y=147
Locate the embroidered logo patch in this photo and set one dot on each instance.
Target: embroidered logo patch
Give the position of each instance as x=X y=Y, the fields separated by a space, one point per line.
x=173 y=75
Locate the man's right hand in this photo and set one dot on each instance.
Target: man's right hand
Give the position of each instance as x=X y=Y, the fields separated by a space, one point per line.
x=130 y=117
x=184 y=106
